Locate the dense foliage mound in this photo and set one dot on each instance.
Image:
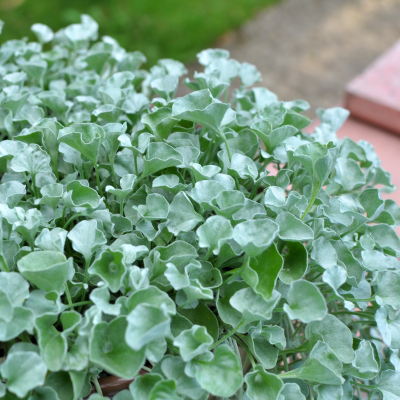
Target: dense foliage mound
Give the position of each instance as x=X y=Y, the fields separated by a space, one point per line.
x=215 y=246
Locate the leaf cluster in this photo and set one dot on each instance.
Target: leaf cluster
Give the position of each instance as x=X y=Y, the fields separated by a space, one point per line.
x=197 y=246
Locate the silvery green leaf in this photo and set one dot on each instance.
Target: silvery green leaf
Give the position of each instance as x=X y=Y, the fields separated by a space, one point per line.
x=165 y=87
x=204 y=172
x=388 y=292
x=35 y=69
x=261 y=384
x=86 y=30
x=388 y=385
x=190 y=155
x=327 y=330
x=84 y=137
x=48 y=270
x=172 y=67
x=253 y=307
x=43 y=33
x=14 y=287
x=323 y=253
x=388 y=327
x=224 y=69
x=334 y=117
x=181 y=216
x=101 y=298
x=86 y=238
x=23 y=370
x=243 y=167
x=292 y=228
x=169 y=182
x=70 y=155
x=109 y=350
x=348 y=174
x=205 y=57
x=249 y=74
x=374 y=260
x=205 y=192
x=305 y=302
x=53 y=344
x=295 y=263
x=53 y=240
x=246 y=141
x=365 y=361
x=51 y=195
x=193 y=342
x=321 y=366
x=255 y=236
x=107 y=112
x=372 y=202
x=265 y=353
x=250 y=210
x=146 y=323
x=156 y=207
x=275 y=197
x=223 y=367
x=160 y=122
x=354 y=269
x=32 y=159
x=291 y=391
x=11 y=193
x=22 y=320
x=207 y=81
x=328 y=392
x=318 y=160
x=385 y=237
x=109 y=266
x=214 y=233
x=174 y=368
x=203 y=316
x=142 y=386
x=335 y=276
x=151 y=296
x=229 y=202
x=272 y=138
x=79 y=195
x=160 y=156
x=29 y=224
x=202 y=108
x=15 y=78
x=261 y=272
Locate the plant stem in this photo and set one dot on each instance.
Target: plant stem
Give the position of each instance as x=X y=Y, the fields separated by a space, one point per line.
x=81 y=303
x=238 y=338
x=228 y=335
x=97 y=385
x=98 y=180
x=228 y=149
x=28 y=184
x=370 y=395
x=236 y=272
x=68 y=294
x=314 y=195
x=362 y=386
x=72 y=218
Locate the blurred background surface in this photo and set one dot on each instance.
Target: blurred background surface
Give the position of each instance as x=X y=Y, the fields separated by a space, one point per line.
x=159 y=28
x=304 y=48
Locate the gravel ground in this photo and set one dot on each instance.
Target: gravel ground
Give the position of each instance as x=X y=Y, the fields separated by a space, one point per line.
x=310 y=49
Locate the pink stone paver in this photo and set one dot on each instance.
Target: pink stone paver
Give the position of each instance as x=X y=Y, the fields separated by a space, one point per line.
x=374 y=96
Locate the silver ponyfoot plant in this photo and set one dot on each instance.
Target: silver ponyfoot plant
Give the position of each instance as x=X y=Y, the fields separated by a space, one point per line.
x=213 y=245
